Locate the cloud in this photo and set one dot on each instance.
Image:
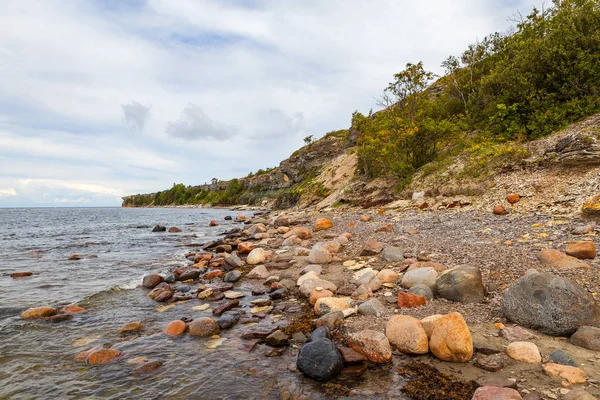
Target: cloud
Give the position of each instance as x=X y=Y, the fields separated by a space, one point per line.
x=8 y=192
x=194 y=124
x=63 y=200
x=276 y=123
x=136 y=115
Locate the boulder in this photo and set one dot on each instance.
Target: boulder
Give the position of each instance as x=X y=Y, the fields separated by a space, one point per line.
x=570 y=375
x=159 y=228
x=582 y=250
x=320 y=360
x=175 y=328
x=387 y=276
x=233 y=276
x=372 y=307
x=256 y=256
x=38 y=312
x=203 y=327
x=495 y=393
x=326 y=305
x=429 y=322
x=306 y=277
x=245 y=247
x=317 y=294
x=592 y=206
x=461 y=284
x=151 y=281
x=363 y=292
x=372 y=344
x=406 y=334
x=319 y=254
x=524 y=351
x=320 y=333
x=409 y=300
x=322 y=224
x=513 y=198
x=422 y=290
x=18 y=275
x=587 y=337
x=451 y=339
x=372 y=248
x=420 y=276
x=259 y=272
x=308 y=286
x=555 y=259
x=393 y=254
x=562 y=357
x=553 y=304
x=174 y=229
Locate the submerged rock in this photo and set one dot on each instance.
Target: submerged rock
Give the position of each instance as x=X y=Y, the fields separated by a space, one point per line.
x=38 y=312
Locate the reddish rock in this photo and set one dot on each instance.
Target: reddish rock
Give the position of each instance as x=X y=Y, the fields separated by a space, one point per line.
x=175 y=328
x=213 y=223
x=72 y=309
x=351 y=224
x=323 y=224
x=372 y=248
x=386 y=228
x=203 y=257
x=582 y=250
x=75 y=257
x=151 y=281
x=130 y=328
x=556 y=259
x=499 y=210
x=372 y=344
x=409 y=300
x=495 y=393
x=354 y=370
x=381 y=211
x=217 y=311
x=365 y=218
x=513 y=198
x=351 y=356
x=214 y=274
x=147 y=367
x=240 y=217
x=38 y=312
x=174 y=229
x=103 y=356
x=245 y=247
x=18 y=275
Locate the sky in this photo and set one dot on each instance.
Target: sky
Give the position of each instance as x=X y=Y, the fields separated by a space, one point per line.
x=101 y=99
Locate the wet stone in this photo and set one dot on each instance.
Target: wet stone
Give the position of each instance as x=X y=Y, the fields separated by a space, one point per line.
x=217 y=311
x=320 y=333
x=277 y=338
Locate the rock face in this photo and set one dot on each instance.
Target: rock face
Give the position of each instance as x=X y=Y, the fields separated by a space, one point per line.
x=38 y=312
x=495 y=393
x=582 y=250
x=372 y=344
x=461 y=284
x=587 y=337
x=555 y=259
x=553 y=304
x=451 y=339
x=524 y=351
x=578 y=148
x=320 y=360
x=406 y=334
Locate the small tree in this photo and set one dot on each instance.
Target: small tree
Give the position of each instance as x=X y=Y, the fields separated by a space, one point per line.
x=309 y=140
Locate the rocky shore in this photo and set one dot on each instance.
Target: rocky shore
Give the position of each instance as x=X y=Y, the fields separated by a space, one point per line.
x=459 y=303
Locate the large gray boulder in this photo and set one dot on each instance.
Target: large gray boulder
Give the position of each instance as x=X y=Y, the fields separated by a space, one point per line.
x=461 y=284
x=320 y=360
x=555 y=305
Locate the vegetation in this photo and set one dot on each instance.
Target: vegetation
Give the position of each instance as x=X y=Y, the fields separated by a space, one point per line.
x=508 y=88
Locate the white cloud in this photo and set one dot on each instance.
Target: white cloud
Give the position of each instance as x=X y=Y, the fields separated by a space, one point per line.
x=8 y=192
x=195 y=124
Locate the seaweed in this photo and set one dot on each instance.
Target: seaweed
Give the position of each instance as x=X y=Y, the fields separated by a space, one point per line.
x=428 y=383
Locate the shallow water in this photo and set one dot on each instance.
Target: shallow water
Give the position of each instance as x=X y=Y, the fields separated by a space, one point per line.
x=37 y=358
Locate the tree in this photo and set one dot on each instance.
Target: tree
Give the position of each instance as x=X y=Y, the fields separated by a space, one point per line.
x=309 y=140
